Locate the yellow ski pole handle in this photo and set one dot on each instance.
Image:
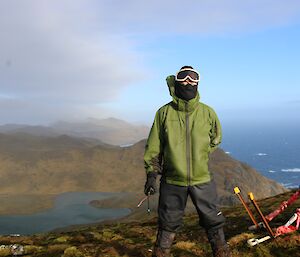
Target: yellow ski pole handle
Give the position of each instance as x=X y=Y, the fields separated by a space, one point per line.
x=236 y=190
x=251 y=196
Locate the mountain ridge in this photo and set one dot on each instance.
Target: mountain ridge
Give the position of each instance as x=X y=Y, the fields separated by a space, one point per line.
x=110 y=130
x=47 y=165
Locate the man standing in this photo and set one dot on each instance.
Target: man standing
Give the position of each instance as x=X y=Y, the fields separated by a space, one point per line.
x=183 y=134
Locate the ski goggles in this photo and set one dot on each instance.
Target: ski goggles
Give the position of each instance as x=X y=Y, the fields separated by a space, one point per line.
x=187 y=73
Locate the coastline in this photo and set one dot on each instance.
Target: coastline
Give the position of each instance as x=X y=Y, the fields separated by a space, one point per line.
x=125 y=200
x=32 y=204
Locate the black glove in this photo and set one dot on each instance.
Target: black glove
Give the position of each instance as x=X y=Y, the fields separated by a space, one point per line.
x=150 y=185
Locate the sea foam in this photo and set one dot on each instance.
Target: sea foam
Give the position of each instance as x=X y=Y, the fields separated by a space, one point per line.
x=261 y=154
x=291 y=170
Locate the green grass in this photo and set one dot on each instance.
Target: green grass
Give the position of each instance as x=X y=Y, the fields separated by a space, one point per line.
x=135 y=239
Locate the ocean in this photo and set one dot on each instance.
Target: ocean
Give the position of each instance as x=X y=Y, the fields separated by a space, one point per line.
x=273 y=151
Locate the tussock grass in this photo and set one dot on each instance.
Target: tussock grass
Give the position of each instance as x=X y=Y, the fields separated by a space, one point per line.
x=185 y=245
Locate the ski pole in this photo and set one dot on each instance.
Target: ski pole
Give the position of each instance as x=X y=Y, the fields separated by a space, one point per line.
x=148 y=201
x=151 y=191
x=238 y=193
x=148 y=209
x=279 y=210
x=251 y=197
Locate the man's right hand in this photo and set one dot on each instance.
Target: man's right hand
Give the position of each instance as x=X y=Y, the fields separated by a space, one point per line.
x=150 y=185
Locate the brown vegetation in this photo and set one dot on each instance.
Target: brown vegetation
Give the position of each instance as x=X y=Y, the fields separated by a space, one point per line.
x=39 y=165
x=136 y=239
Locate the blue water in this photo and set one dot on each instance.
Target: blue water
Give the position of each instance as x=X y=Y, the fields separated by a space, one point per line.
x=69 y=209
x=273 y=151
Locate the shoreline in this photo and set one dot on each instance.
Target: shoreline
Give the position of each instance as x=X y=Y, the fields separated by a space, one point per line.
x=127 y=200
x=121 y=200
x=15 y=205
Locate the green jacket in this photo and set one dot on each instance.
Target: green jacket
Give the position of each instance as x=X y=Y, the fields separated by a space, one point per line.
x=181 y=138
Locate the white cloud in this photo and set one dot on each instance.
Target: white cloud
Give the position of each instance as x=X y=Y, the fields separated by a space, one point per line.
x=62 y=57
x=48 y=50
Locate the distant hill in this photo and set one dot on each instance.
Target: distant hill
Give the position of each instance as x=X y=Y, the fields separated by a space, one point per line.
x=111 y=131
x=28 y=129
x=52 y=165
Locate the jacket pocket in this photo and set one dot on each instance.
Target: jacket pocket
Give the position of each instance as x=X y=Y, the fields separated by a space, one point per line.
x=173 y=133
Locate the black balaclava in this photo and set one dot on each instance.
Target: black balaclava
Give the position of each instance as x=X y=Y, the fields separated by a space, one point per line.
x=186 y=92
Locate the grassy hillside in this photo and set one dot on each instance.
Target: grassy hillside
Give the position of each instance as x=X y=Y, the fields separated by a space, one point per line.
x=53 y=165
x=20 y=204
x=135 y=239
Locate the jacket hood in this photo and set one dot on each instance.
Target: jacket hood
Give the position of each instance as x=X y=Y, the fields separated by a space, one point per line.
x=181 y=105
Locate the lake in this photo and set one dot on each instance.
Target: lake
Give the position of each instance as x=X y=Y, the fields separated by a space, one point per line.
x=71 y=208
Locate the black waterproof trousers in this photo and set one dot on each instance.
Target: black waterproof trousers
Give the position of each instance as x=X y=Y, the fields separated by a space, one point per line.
x=172 y=202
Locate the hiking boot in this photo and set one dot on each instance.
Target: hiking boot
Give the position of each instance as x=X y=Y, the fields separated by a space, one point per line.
x=160 y=252
x=218 y=243
x=163 y=243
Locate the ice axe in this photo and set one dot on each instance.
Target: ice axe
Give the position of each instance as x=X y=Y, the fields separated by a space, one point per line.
x=148 y=200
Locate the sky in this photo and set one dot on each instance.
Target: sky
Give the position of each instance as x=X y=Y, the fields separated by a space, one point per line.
x=74 y=59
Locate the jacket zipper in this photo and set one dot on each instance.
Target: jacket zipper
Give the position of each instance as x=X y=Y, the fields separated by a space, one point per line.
x=187 y=145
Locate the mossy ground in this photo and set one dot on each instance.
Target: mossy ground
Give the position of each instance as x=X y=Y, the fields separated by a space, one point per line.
x=135 y=239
